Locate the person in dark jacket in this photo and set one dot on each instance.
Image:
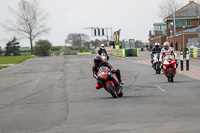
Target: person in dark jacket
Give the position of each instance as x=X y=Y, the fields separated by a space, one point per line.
x=156 y=49
x=103 y=50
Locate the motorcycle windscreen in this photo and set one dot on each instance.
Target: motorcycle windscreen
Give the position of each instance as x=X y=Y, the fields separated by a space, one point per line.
x=104 y=73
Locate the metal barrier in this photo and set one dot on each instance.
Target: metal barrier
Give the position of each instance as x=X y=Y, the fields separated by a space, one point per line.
x=83 y=53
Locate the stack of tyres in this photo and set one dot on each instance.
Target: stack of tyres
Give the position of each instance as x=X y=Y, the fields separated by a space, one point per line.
x=198 y=52
x=195 y=53
x=132 y=52
x=191 y=52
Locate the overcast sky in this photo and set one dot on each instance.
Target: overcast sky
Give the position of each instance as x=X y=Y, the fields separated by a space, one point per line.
x=134 y=17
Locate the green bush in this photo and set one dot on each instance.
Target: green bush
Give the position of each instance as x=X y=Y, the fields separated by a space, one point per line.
x=43 y=47
x=81 y=49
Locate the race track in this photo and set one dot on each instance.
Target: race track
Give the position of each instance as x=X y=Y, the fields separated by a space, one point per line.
x=57 y=95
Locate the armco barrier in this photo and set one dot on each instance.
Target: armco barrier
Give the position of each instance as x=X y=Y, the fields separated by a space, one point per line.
x=70 y=54
x=83 y=53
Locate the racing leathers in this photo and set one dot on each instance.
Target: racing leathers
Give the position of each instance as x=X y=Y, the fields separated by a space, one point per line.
x=95 y=69
x=154 y=51
x=103 y=50
x=168 y=53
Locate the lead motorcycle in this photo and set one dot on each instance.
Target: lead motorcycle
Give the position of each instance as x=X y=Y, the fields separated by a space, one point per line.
x=105 y=76
x=156 y=63
x=169 y=67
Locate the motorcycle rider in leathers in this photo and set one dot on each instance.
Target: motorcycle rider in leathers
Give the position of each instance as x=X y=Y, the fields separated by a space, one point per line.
x=103 y=50
x=167 y=51
x=98 y=62
x=156 y=49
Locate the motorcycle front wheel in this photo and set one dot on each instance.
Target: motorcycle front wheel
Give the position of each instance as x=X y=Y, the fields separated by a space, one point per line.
x=158 y=69
x=112 y=91
x=120 y=92
x=171 y=75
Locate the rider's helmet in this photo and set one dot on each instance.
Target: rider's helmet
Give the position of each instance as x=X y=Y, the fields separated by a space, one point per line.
x=166 y=45
x=102 y=46
x=97 y=60
x=157 y=45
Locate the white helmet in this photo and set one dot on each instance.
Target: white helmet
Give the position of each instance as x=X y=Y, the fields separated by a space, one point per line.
x=157 y=45
x=102 y=45
x=166 y=45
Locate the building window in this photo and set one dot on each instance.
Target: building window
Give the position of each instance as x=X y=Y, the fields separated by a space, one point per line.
x=183 y=22
x=163 y=29
x=158 y=28
x=188 y=22
x=180 y=23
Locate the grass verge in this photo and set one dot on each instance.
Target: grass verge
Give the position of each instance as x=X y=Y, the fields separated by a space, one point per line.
x=13 y=59
x=1 y=67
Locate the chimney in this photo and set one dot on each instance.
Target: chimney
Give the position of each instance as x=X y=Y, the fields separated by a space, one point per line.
x=191 y=1
x=150 y=32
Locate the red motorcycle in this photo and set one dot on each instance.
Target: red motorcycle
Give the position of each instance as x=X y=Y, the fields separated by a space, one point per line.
x=106 y=80
x=169 y=67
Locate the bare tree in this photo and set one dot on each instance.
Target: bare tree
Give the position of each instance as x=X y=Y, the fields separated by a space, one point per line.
x=30 y=21
x=168 y=7
x=76 y=39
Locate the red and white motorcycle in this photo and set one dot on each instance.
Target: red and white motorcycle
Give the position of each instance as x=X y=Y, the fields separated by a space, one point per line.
x=169 y=68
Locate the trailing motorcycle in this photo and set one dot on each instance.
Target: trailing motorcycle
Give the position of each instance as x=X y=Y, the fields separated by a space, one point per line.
x=104 y=57
x=156 y=63
x=169 y=67
x=106 y=80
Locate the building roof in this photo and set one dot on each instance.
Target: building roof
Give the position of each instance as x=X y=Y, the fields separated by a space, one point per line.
x=193 y=30
x=161 y=23
x=190 y=10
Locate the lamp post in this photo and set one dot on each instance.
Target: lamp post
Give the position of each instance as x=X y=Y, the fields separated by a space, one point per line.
x=174 y=25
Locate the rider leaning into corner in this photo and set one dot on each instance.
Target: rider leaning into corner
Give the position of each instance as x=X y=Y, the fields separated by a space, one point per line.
x=98 y=62
x=167 y=51
x=103 y=50
x=156 y=49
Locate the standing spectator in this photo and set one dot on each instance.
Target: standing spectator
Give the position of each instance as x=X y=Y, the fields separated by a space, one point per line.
x=116 y=46
x=120 y=46
x=171 y=44
x=149 y=47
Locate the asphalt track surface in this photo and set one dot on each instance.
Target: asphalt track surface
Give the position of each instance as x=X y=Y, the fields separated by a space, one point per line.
x=58 y=95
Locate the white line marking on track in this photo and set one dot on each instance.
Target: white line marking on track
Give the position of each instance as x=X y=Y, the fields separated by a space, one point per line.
x=160 y=88
x=36 y=82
